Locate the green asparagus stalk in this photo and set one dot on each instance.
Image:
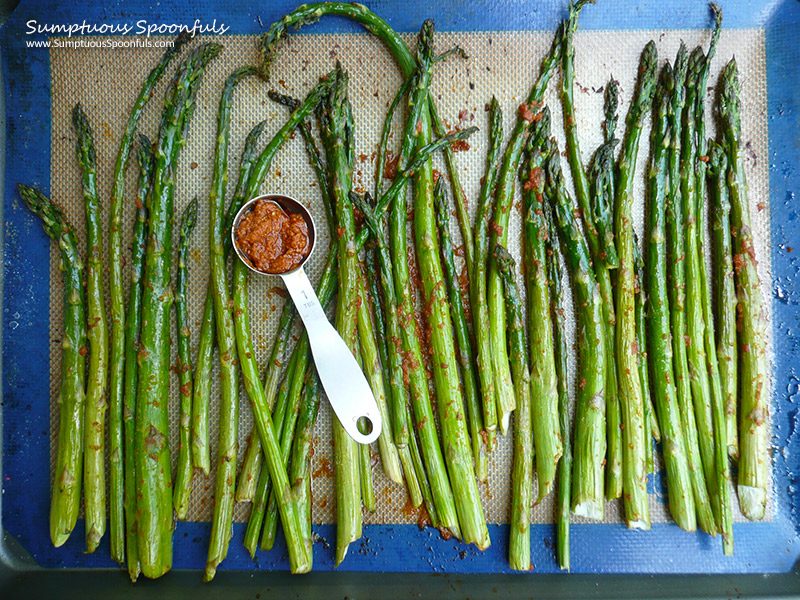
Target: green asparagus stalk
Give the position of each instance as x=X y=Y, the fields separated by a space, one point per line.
x=544 y=390
x=117 y=356
x=247 y=481
x=228 y=438
x=602 y=190
x=718 y=400
x=441 y=486
x=479 y=302
x=753 y=392
x=634 y=469
x=679 y=485
x=677 y=296
x=201 y=454
x=66 y=495
x=94 y=480
x=522 y=475
x=459 y=196
x=450 y=404
x=132 y=327
x=519 y=553
x=153 y=473
x=365 y=468
x=303 y=438
x=641 y=346
x=371 y=364
x=337 y=138
x=642 y=301
x=390 y=358
x=695 y=323
x=590 y=427
x=601 y=198
x=182 y=486
x=264 y=485
x=506 y=180
x=560 y=354
x=460 y=327
x=717 y=169
x=725 y=288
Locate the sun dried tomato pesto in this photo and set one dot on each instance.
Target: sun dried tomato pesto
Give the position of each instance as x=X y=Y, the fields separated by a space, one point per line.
x=272 y=240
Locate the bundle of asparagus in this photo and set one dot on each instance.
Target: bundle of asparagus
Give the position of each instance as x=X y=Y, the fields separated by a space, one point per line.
x=637 y=380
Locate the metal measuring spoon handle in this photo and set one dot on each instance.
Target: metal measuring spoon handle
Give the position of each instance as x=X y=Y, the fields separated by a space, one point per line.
x=346 y=386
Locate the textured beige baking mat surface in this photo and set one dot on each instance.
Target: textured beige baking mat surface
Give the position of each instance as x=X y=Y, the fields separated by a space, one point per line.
x=505 y=64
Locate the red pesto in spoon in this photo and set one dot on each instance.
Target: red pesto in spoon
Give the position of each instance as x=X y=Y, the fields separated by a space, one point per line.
x=272 y=240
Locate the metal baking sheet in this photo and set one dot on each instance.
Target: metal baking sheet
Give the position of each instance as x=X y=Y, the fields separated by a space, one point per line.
x=39 y=84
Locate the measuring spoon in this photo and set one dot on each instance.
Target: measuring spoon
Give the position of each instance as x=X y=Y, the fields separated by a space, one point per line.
x=341 y=376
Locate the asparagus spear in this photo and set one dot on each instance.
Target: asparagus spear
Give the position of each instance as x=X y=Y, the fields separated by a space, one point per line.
x=506 y=180
x=337 y=139
x=460 y=327
x=153 y=476
x=380 y=163
x=725 y=288
x=117 y=356
x=66 y=495
x=286 y=416
x=228 y=439
x=390 y=358
x=753 y=393
x=479 y=302
x=722 y=447
x=601 y=197
x=544 y=391
x=94 y=480
x=303 y=438
x=450 y=404
x=132 y=327
x=247 y=481
x=634 y=471
x=590 y=434
x=695 y=324
x=371 y=364
x=652 y=431
x=201 y=455
x=602 y=190
x=182 y=486
x=560 y=356
x=597 y=225
x=641 y=345
x=677 y=297
x=519 y=553
x=264 y=485
x=459 y=196
x=679 y=486
x=718 y=400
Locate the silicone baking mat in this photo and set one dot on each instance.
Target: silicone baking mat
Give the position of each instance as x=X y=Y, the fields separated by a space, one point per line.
x=505 y=48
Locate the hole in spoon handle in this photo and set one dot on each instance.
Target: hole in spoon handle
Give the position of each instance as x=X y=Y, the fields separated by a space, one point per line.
x=345 y=384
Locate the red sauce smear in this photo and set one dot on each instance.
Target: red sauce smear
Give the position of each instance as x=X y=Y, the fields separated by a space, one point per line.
x=272 y=240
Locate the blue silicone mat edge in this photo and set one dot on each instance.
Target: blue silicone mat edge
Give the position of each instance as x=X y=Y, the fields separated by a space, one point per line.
x=760 y=548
